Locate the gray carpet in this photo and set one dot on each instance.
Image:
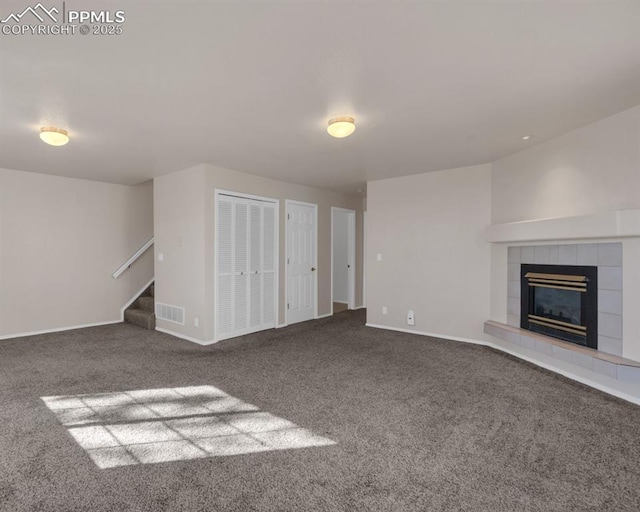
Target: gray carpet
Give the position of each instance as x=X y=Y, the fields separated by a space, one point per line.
x=418 y=424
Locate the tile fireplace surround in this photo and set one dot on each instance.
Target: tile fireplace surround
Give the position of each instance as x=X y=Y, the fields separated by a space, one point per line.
x=607 y=257
x=608 y=240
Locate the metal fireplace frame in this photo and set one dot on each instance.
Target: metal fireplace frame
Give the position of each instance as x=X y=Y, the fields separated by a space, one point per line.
x=583 y=279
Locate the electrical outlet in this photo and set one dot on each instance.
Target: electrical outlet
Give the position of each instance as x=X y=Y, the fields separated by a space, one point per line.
x=411 y=318
x=196 y=322
x=379 y=256
x=160 y=257
x=384 y=310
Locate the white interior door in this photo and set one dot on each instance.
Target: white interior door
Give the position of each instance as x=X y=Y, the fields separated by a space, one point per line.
x=301 y=262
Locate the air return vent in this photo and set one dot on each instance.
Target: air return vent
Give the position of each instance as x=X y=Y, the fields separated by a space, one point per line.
x=169 y=313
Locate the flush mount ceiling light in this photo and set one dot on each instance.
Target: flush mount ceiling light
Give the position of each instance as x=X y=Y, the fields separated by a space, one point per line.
x=54 y=136
x=341 y=126
x=527 y=137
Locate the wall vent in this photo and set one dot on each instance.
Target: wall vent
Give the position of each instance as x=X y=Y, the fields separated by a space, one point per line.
x=170 y=313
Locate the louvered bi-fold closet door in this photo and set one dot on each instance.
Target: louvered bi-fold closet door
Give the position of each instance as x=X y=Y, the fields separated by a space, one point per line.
x=225 y=275
x=246 y=276
x=269 y=262
x=241 y=267
x=255 y=265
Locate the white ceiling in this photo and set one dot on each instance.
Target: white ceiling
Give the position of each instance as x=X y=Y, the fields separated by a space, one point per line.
x=250 y=85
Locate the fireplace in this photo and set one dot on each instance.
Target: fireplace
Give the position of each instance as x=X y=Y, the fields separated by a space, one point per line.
x=560 y=301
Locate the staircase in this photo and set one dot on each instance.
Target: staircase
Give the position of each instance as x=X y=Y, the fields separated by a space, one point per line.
x=142 y=310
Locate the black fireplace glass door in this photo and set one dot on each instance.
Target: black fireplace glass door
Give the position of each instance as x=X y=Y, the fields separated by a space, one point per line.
x=560 y=301
x=557 y=304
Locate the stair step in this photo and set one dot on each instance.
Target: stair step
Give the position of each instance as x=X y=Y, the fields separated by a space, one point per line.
x=144 y=319
x=147 y=304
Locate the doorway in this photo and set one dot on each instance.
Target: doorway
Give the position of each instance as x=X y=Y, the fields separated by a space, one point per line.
x=343 y=256
x=302 y=257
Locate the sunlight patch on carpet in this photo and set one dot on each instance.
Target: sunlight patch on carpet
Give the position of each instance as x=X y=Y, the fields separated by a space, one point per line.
x=171 y=424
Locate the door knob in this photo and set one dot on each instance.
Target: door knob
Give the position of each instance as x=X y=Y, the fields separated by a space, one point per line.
x=313 y=269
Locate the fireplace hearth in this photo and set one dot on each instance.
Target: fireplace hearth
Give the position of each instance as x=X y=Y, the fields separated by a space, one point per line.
x=561 y=301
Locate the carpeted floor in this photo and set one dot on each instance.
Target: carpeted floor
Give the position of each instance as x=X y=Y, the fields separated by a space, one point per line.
x=418 y=424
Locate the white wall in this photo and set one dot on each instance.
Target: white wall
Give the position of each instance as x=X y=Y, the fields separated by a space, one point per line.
x=340 y=242
x=429 y=229
x=592 y=170
x=60 y=241
x=179 y=200
x=185 y=214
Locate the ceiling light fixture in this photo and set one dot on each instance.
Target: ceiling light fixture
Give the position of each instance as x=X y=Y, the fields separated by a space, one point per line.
x=54 y=136
x=527 y=137
x=341 y=126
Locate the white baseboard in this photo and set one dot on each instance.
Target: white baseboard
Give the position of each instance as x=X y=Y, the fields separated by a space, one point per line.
x=323 y=316
x=133 y=299
x=431 y=334
x=280 y=326
x=59 y=329
x=185 y=337
x=359 y=307
x=565 y=373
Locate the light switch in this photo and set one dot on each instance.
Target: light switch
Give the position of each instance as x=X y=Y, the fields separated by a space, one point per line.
x=379 y=256
x=160 y=257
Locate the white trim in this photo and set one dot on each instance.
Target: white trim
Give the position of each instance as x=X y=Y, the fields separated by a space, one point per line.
x=287 y=202
x=185 y=337
x=280 y=326
x=60 y=329
x=242 y=195
x=546 y=366
x=135 y=297
x=323 y=316
x=217 y=192
x=360 y=307
x=133 y=258
x=431 y=334
x=331 y=264
x=364 y=260
x=572 y=376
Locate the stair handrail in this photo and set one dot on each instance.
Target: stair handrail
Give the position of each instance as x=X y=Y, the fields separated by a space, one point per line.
x=133 y=258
